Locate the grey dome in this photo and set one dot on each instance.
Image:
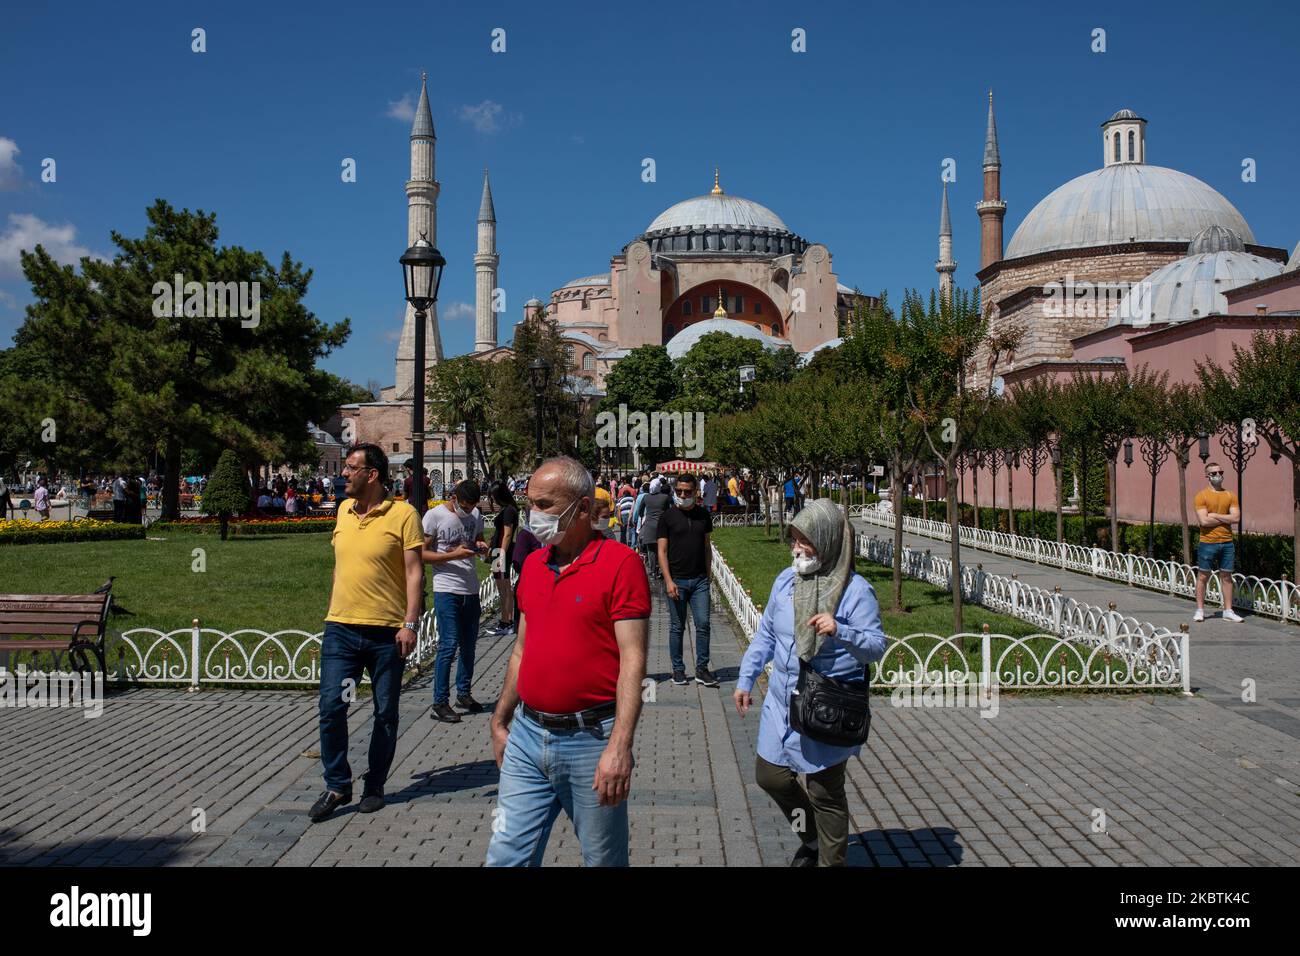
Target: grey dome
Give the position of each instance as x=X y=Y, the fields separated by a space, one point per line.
x=533 y=302
x=812 y=352
x=1122 y=115
x=722 y=210
x=1191 y=288
x=1216 y=239
x=1121 y=203
x=682 y=342
x=600 y=279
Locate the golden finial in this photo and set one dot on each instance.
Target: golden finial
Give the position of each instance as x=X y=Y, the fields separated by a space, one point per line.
x=717 y=190
x=721 y=311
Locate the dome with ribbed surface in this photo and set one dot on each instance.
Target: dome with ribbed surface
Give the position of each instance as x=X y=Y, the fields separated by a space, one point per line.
x=682 y=342
x=1215 y=239
x=1191 y=288
x=720 y=210
x=1126 y=202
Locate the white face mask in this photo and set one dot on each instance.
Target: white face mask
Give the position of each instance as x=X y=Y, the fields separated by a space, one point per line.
x=683 y=502
x=460 y=512
x=804 y=564
x=546 y=527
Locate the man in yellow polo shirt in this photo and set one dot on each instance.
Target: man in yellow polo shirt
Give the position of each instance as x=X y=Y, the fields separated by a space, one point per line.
x=373 y=614
x=1217 y=510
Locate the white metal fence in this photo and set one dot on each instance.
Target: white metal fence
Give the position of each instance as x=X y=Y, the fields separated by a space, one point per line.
x=199 y=655
x=1087 y=648
x=1264 y=596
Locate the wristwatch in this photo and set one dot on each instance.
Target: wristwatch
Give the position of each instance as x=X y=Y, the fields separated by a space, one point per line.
x=411 y=625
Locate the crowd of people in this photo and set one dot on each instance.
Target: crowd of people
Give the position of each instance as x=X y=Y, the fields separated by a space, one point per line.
x=581 y=560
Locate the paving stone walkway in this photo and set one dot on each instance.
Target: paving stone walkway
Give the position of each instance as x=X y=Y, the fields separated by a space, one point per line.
x=1104 y=781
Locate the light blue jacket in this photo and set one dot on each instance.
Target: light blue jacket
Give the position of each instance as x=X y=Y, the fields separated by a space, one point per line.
x=858 y=640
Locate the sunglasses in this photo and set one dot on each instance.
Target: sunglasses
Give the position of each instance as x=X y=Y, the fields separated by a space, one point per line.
x=1215 y=474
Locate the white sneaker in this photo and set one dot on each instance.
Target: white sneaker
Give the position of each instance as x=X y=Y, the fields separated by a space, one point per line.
x=1199 y=615
x=1230 y=615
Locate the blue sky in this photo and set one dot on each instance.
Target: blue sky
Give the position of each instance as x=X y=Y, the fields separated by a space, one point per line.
x=845 y=142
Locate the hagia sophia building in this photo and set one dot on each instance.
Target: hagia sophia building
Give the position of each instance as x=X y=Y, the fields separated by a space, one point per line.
x=1129 y=264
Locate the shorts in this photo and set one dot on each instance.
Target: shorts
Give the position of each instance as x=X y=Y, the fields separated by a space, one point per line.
x=1215 y=555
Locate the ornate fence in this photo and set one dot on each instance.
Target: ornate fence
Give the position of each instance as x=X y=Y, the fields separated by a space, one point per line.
x=1264 y=596
x=197 y=655
x=1087 y=649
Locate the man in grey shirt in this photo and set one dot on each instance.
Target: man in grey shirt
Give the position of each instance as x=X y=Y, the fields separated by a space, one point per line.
x=453 y=537
x=655 y=504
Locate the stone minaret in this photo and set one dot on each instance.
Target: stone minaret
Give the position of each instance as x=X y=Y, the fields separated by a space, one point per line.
x=991 y=209
x=421 y=218
x=945 y=266
x=485 y=273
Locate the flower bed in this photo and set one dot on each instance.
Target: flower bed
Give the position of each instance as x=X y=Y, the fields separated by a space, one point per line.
x=285 y=524
x=22 y=531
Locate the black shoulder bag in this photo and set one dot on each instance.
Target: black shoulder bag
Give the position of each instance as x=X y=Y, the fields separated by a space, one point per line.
x=830 y=711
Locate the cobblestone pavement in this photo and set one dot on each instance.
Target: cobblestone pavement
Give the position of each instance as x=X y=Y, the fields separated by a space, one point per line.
x=1223 y=654
x=1090 y=780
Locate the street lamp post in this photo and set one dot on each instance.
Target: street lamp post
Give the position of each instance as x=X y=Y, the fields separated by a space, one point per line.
x=422 y=267
x=1239 y=451
x=442 y=485
x=1154 y=453
x=539 y=372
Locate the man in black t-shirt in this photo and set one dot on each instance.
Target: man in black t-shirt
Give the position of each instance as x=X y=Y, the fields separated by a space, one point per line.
x=503 y=542
x=685 y=558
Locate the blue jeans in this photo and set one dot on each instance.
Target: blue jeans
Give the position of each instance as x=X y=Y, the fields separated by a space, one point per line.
x=347 y=649
x=457 y=616
x=546 y=771
x=693 y=591
x=1212 y=555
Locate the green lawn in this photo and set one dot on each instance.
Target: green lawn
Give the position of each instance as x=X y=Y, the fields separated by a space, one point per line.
x=269 y=582
x=757 y=559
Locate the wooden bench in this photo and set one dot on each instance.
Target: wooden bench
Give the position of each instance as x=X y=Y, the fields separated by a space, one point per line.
x=71 y=624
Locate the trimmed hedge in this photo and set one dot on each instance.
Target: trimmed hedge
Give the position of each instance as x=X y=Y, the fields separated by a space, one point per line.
x=240 y=528
x=22 y=531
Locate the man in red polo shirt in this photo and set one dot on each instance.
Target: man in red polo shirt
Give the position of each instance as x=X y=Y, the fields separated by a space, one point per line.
x=583 y=608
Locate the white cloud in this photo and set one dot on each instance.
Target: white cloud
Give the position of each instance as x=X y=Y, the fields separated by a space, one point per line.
x=26 y=231
x=11 y=174
x=403 y=109
x=7 y=299
x=456 y=310
x=488 y=117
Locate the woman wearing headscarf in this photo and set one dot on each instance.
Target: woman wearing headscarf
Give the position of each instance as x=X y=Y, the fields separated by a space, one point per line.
x=821 y=613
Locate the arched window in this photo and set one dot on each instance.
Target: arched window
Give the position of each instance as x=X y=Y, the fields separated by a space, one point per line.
x=1132 y=156
x=1117 y=157
x=588 y=362
x=586 y=300
x=758 y=308
x=686 y=306
x=668 y=331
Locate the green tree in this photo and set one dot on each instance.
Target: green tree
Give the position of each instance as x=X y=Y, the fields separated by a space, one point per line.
x=1259 y=392
x=643 y=380
x=227 y=491
x=124 y=375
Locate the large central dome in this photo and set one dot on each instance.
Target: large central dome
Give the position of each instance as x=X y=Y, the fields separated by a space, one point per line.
x=1125 y=202
x=719 y=210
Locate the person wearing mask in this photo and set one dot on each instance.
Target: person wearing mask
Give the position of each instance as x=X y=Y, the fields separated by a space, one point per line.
x=656 y=503
x=453 y=538
x=600 y=517
x=563 y=728
x=685 y=560
x=374 y=611
x=1217 y=510
x=824 y=616
x=499 y=550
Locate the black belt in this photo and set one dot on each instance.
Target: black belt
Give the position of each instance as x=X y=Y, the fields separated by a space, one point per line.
x=591 y=717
